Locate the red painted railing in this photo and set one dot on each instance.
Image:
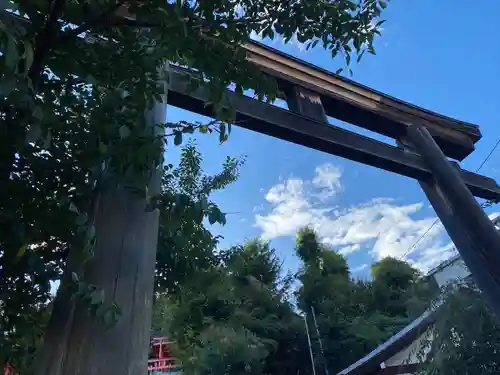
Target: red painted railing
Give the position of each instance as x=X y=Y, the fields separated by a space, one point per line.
x=9 y=370
x=162 y=363
x=165 y=364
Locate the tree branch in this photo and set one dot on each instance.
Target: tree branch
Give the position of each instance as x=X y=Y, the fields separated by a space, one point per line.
x=44 y=40
x=106 y=15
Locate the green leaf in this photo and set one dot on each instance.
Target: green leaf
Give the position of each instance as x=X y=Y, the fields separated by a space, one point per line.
x=97 y=297
x=90 y=79
x=222 y=133
x=357 y=42
x=239 y=90
x=360 y=56
x=7 y=85
x=34 y=133
x=90 y=233
x=47 y=140
x=124 y=131
x=177 y=138
x=73 y=208
x=37 y=113
x=28 y=56
x=11 y=53
x=102 y=148
x=21 y=251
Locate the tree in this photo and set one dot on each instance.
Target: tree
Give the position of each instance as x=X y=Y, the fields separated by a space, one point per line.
x=181 y=233
x=466 y=336
x=185 y=245
x=235 y=318
x=394 y=281
x=351 y=318
x=74 y=139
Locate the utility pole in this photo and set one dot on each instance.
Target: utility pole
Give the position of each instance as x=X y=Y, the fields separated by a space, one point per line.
x=310 y=346
x=320 y=342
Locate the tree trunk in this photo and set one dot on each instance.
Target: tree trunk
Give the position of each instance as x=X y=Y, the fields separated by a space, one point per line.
x=123 y=266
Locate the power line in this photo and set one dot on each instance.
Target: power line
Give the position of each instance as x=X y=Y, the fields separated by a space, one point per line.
x=437 y=220
x=489 y=155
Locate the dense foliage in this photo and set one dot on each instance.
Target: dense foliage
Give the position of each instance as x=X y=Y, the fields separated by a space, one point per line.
x=76 y=78
x=235 y=318
x=466 y=337
x=353 y=316
x=184 y=247
x=239 y=315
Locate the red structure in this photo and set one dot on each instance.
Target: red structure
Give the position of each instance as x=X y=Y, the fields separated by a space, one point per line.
x=160 y=361
x=9 y=370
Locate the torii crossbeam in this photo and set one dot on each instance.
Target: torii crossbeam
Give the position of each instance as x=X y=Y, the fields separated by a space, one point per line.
x=426 y=140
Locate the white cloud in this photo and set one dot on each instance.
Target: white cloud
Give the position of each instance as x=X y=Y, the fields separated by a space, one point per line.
x=346 y=250
x=381 y=226
x=327 y=177
x=258 y=208
x=360 y=268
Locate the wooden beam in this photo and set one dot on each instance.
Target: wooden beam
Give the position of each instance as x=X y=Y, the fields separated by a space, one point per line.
x=306 y=103
x=359 y=105
x=283 y=124
x=479 y=244
x=349 y=101
x=482 y=270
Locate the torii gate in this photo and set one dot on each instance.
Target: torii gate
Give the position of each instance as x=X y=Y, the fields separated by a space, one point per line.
x=426 y=140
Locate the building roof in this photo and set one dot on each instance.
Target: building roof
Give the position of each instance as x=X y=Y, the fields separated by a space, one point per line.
x=443 y=265
x=371 y=362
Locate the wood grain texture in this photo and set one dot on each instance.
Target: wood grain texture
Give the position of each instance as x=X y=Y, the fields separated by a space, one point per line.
x=123 y=266
x=306 y=131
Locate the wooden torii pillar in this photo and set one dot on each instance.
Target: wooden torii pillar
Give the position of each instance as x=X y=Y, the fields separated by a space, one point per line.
x=468 y=226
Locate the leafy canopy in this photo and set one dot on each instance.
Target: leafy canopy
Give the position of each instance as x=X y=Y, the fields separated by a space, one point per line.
x=76 y=78
x=185 y=245
x=234 y=318
x=353 y=316
x=466 y=335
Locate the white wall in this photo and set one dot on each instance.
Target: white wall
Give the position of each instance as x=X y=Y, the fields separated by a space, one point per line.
x=412 y=354
x=454 y=271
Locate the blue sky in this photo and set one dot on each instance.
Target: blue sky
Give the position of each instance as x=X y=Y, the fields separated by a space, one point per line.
x=442 y=55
